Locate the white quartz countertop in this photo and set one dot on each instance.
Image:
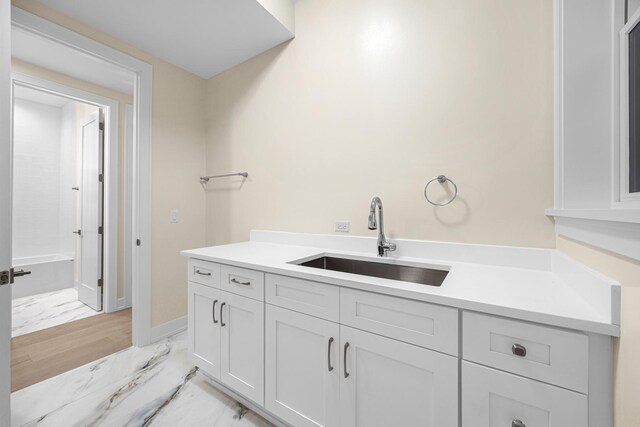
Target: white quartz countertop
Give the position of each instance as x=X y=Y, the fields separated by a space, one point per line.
x=523 y=293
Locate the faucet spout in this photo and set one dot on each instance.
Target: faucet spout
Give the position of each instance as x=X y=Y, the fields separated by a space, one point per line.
x=383 y=245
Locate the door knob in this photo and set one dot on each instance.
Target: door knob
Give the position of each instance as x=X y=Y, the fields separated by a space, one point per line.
x=78 y=232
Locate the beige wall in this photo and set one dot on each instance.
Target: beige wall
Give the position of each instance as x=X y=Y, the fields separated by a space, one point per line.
x=178 y=147
x=627 y=347
x=377 y=98
x=123 y=99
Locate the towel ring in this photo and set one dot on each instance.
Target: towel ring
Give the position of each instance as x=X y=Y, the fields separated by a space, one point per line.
x=441 y=179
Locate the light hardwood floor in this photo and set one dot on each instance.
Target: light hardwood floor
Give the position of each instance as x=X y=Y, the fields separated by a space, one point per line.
x=50 y=352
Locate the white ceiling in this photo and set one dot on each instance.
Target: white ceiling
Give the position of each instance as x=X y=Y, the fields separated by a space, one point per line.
x=39 y=96
x=57 y=57
x=205 y=37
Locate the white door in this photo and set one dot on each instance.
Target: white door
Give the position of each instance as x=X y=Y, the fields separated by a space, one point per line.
x=242 y=345
x=204 y=328
x=91 y=201
x=302 y=368
x=385 y=382
x=5 y=211
x=492 y=398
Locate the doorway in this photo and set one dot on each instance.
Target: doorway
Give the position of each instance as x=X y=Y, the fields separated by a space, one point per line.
x=96 y=57
x=61 y=136
x=58 y=201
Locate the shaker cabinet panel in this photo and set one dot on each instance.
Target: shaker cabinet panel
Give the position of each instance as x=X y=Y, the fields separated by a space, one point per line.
x=385 y=382
x=492 y=398
x=242 y=345
x=302 y=368
x=203 y=328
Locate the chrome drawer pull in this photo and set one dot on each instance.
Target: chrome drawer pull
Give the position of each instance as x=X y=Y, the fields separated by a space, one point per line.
x=213 y=311
x=517 y=423
x=329 y=354
x=519 y=350
x=346 y=346
x=221 y=307
x=202 y=274
x=237 y=282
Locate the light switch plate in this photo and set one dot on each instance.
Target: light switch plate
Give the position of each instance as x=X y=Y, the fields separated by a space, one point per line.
x=173 y=216
x=342 y=226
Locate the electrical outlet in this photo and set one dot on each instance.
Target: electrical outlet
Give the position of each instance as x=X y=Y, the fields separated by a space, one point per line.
x=173 y=216
x=342 y=226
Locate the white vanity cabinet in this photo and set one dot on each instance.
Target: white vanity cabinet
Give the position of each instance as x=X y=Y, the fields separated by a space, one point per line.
x=385 y=382
x=203 y=328
x=225 y=332
x=242 y=345
x=312 y=354
x=492 y=398
x=321 y=373
x=521 y=374
x=303 y=368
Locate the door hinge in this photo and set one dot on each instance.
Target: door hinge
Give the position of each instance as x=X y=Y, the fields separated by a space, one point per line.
x=101 y=126
x=138 y=243
x=100 y=178
x=100 y=230
x=100 y=282
x=5 y=277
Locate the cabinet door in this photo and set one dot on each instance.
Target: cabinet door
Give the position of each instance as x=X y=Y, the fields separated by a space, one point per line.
x=385 y=382
x=492 y=398
x=302 y=368
x=242 y=345
x=204 y=328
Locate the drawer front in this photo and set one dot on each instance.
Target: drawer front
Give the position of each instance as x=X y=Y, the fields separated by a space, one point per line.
x=547 y=354
x=493 y=398
x=313 y=298
x=242 y=281
x=427 y=325
x=204 y=272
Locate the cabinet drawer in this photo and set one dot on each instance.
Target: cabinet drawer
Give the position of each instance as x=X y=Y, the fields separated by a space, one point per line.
x=204 y=272
x=313 y=298
x=427 y=325
x=547 y=354
x=242 y=281
x=493 y=398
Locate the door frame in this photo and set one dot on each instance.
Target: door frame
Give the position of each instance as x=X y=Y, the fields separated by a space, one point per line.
x=5 y=212
x=142 y=101
x=110 y=237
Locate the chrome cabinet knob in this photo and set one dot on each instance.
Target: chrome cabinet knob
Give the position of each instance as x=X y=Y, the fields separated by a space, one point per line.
x=517 y=423
x=519 y=350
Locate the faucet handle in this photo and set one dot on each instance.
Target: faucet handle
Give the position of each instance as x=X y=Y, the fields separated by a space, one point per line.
x=385 y=247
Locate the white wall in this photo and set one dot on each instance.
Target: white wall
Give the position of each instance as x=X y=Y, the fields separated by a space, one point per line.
x=375 y=98
x=36 y=185
x=68 y=179
x=45 y=153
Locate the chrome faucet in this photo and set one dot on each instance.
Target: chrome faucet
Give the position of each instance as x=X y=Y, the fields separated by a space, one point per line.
x=383 y=245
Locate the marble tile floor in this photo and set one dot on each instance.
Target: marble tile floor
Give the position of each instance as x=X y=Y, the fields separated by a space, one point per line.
x=37 y=312
x=149 y=386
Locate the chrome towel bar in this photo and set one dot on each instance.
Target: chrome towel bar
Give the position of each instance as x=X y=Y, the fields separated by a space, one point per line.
x=207 y=178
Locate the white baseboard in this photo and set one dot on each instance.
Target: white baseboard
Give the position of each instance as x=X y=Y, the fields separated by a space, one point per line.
x=167 y=329
x=122 y=304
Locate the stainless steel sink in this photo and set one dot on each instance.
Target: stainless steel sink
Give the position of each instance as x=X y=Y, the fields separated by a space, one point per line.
x=405 y=273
